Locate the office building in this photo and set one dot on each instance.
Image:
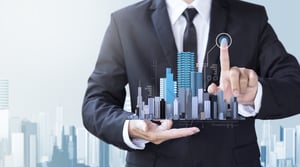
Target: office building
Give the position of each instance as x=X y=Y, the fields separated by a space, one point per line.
x=32 y=151
x=182 y=102
x=151 y=107
x=116 y=157
x=4 y=150
x=67 y=155
x=185 y=65
x=297 y=146
x=104 y=154
x=4 y=120
x=169 y=87
x=59 y=113
x=43 y=136
x=72 y=147
x=127 y=105
x=281 y=133
x=139 y=103
x=188 y=104
x=263 y=155
x=196 y=82
x=157 y=107
x=195 y=108
x=222 y=106
x=272 y=159
x=4 y=114
x=82 y=145
x=289 y=144
x=29 y=130
x=60 y=156
x=175 y=109
x=162 y=88
x=280 y=150
x=93 y=151
x=266 y=138
x=3 y=94
x=17 y=150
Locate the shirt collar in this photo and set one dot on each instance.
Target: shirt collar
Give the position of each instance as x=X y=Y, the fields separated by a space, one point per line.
x=177 y=7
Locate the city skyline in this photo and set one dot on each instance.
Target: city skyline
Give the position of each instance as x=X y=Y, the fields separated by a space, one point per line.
x=28 y=142
x=276 y=150
x=36 y=143
x=73 y=147
x=48 y=50
x=186 y=98
x=282 y=150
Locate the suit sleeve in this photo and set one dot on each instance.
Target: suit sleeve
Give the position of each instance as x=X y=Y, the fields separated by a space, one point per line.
x=279 y=74
x=102 y=110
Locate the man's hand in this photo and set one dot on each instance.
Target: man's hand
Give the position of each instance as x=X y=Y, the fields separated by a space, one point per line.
x=152 y=132
x=239 y=82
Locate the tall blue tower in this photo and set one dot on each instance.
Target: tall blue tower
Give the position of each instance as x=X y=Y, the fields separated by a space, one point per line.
x=281 y=133
x=185 y=65
x=170 y=91
x=263 y=156
x=196 y=82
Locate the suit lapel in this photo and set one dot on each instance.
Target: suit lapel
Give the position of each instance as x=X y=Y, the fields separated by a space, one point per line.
x=218 y=24
x=162 y=26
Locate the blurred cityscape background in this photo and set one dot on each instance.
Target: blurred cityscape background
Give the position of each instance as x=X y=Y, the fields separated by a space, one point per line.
x=47 y=51
x=44 y=143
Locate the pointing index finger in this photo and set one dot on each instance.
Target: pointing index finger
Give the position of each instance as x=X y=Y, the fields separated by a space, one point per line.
x=224 y=55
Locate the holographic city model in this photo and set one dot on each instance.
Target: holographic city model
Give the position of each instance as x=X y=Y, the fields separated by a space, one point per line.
x=186 y=98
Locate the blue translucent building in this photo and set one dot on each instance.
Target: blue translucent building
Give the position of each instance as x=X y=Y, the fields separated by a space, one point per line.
x=196 y=82
x=185 y=65
x=169 y=87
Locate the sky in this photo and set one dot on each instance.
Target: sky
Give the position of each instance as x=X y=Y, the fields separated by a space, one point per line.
x=48 y=49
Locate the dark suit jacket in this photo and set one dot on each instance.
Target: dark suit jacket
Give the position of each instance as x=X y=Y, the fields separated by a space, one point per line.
x=141 y=35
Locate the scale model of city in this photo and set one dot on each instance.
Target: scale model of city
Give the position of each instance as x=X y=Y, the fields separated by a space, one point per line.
x=185 y=99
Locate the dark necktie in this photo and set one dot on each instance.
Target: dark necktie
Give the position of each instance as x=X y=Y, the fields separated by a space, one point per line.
x=190 y=34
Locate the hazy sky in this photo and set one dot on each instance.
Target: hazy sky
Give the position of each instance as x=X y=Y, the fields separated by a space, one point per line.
x=48 y=49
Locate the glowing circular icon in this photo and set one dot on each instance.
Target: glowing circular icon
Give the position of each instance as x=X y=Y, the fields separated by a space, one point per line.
x=222 y=36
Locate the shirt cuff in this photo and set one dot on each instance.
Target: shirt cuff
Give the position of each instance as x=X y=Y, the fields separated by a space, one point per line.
x=135 y=143
x=252 y=110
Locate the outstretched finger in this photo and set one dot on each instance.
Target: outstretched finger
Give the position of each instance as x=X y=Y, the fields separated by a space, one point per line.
x=224 y=56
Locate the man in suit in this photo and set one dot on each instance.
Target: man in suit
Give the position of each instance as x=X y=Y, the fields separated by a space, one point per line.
x=256 y=69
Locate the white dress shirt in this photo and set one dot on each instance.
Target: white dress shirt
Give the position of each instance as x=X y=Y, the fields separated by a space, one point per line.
x=202 y=22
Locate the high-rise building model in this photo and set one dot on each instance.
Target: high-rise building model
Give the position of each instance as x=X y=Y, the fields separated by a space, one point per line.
x=186 y=98
x=4 y=114
x=3 y=94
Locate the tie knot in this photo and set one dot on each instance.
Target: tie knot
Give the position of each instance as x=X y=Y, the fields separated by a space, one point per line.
x=190 y=14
